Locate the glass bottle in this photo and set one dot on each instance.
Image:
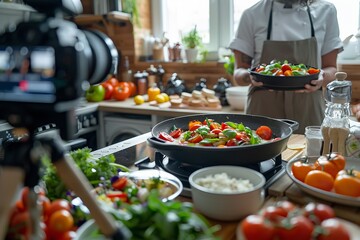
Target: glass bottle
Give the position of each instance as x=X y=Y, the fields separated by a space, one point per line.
x=140 y=83
x=336 y=124
x=127 y=72
x=160 y=75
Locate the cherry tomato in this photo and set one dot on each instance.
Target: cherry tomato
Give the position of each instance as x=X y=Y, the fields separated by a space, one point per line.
x=264 y=132
x=318 y=212
x=347 y=183
x=195 y=139
x=68 y=235
x=255 y=227
x=120 y=184
x=193 y=125
x=117 y=195
x=20 y=223
x=176 y=133
x=231 y=143
x=288 y=73
x=61 y=221
x=121 y=92
x=109 y=89
x=333 y=229
x=58 y=204
x=113 y=81
x=224 y=126
x=297 y=228
x=300 y=169
x=165 y=136
x=216 y=131
x=320 y=179
x=215 y=125
x=242 y=136
x=332 y=163
x=133 y=89
x=286 y=67
x=313 y=70
x=287 y=205
x=275 y=213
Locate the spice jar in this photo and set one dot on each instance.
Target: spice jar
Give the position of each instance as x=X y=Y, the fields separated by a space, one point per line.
x=140 y=83
x=200 y=85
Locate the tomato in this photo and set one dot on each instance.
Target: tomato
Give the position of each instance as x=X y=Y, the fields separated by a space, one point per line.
x=275 y=213
x=133 y=89
x=216 y=131
x=120 y=184
x=165 y=136
x=313 y=70
x=295 y=228
x=288 y=73
x=300 y=169
x=347 y=183
x=231 y=143
x=264 y=132
x=113 y=81
x=20 y=225
x=260 y=68
x=320 y=179
x=121 y=92
x=109 y=89
x=215 y=125
x=25 y=196
x=242 y=136
x=59 y=204
x=176 y=133
x=332 y=163
x=117 y=195
x=61 y=221
x=195 y=139
x=194 y=124
x=45 y=204
x=318 y=212
x=224 y=126
x=333 y=229
x=286 y=67
x=255 y=227
x=286 y=205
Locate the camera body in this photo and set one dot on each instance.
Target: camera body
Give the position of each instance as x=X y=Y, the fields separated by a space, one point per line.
x=47 y=64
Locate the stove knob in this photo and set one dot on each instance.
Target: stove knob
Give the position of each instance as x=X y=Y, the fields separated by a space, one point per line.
x=86 y=122
x=93 y=120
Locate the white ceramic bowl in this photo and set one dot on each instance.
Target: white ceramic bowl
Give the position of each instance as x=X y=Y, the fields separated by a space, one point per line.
x=237 y=97
x=228 y=206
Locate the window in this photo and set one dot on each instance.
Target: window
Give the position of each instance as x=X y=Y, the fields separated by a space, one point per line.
x=217 y=20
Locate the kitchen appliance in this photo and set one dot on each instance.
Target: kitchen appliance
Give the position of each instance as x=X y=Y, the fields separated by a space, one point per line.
x=119 y=127
x=136 y=153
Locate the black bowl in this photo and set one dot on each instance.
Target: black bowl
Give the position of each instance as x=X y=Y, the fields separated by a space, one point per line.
x=284 y=82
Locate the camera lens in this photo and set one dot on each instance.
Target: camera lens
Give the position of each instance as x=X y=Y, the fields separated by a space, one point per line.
x=104 y=56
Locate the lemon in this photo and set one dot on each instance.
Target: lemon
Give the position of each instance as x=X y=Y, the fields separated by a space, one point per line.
x=160 y=98
x=167 y=98
x=138 y=99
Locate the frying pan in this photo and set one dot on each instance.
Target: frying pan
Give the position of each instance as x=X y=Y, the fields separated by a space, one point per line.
x=237 y=155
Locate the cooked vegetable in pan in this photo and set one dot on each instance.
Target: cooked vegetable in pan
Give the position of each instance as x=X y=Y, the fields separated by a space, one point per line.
x=284 y=68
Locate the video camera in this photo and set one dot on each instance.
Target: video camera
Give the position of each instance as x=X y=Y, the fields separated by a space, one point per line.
x=47 y=64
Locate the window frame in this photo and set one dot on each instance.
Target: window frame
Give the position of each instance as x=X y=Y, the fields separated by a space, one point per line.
x=220 y=37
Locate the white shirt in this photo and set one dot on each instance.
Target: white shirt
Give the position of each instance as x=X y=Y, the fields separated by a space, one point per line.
x=288 y=24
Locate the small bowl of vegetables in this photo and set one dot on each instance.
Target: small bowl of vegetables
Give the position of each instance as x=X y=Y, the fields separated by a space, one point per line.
x=282 y=75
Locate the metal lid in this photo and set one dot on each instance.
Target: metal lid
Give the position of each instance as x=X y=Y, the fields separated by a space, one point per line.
x=339 y=90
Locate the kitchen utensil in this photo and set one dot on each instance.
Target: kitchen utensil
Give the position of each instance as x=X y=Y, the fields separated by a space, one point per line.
x=237 y=155
x=284 y=82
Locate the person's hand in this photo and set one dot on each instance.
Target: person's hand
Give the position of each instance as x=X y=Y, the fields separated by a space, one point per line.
x=356 y=111
x=314 y=86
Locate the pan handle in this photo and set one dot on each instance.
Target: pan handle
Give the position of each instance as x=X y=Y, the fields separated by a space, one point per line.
x=292 y=124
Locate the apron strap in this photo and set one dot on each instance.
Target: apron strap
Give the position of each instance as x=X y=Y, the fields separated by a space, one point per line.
x=270 y=21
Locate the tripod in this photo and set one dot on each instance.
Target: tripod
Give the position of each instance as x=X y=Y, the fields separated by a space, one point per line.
x=21 y=165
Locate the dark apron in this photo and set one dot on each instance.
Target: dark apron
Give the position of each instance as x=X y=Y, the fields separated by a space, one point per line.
x=305 y=108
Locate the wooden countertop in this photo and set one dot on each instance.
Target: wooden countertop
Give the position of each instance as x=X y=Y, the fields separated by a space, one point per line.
x=128 y=106
x=285 y=188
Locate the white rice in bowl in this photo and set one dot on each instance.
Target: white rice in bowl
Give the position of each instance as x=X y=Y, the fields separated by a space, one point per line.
x=223 y=183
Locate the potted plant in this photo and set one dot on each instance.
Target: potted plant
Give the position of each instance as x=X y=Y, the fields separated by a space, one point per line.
x=192 y=40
